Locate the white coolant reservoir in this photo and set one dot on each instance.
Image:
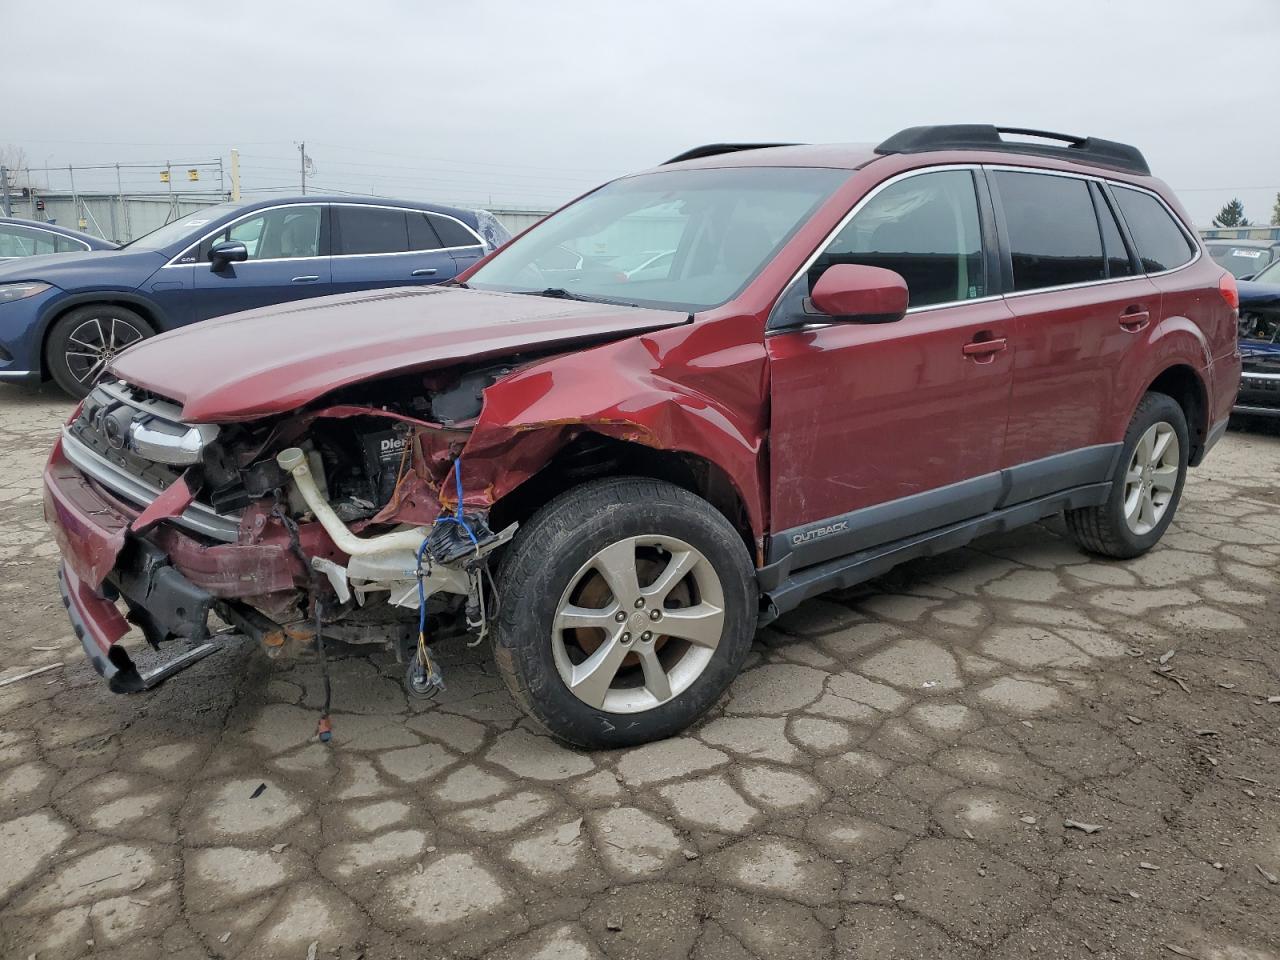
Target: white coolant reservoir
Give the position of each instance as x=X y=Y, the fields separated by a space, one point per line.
x=294 y=462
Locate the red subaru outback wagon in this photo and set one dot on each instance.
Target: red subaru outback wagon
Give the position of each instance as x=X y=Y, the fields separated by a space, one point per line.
x=830 y=359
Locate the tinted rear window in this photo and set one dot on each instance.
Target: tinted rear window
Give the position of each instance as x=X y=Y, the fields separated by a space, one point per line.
x=422 y=235
x=452 y=233
x=1161 y=243
x=371 y=230
x=1053 y=230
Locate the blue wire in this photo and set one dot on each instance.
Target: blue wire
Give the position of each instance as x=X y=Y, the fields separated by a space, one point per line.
x=457 y=514
x=460 y=521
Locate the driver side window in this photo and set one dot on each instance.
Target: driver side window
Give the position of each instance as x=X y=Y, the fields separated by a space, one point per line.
x=925 y=228
x=285 y=232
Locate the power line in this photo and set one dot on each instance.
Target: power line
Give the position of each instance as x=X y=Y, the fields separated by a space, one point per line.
x=485 y=163
x=1220 y=189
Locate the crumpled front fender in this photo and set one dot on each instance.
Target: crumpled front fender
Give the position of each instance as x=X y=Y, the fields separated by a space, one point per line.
x=637 y=390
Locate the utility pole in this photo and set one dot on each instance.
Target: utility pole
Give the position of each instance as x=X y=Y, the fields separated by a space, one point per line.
x=302 y=165
x=75 y=197
x=173 y=204
x=4 y=190
x=120 y=203
x=235 y=174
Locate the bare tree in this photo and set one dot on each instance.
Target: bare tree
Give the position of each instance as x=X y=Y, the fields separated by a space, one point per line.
x=15 y=160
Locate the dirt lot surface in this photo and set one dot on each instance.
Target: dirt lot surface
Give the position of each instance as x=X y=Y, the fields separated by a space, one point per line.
x=895 y=775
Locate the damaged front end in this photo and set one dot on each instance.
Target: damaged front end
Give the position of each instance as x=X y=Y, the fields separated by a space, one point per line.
x=348 y=521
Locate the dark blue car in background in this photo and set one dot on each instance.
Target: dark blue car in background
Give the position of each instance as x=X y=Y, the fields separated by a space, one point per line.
x=1260 y=343
x=66 y=316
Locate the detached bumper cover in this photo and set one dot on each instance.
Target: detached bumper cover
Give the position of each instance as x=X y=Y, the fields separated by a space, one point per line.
x=102 y=562
x=95 y=619
x=90 y=531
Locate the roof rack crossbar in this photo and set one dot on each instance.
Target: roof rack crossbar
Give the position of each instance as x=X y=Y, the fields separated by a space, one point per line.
x=715 y=149
x=982 y=136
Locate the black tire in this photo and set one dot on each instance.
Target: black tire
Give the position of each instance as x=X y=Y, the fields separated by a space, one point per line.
x=545 y=561
x=66 y=354
x=1103 y=529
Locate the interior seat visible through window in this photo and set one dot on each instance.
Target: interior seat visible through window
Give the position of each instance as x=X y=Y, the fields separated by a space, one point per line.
x=924 y=228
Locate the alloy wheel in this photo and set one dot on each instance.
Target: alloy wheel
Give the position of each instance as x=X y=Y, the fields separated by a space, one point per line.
x=1152 y=478
x=638 y=624
x=94 y=343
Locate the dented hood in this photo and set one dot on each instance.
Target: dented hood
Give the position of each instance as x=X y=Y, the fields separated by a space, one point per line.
x=277 y=358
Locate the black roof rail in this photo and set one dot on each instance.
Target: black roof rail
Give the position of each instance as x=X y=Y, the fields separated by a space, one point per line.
x=714 y=149
x=985 y=136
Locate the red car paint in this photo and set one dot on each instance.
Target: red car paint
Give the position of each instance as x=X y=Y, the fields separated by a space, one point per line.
x=802 y=425
x=88 y=528
x=101 y=620
x=276 y=359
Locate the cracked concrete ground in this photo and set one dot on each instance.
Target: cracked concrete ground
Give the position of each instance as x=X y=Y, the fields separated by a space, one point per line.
x=889 y=778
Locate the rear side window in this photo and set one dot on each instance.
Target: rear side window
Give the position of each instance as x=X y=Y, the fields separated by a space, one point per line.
x=1160 y=241
x=924 y=228
x=371 y=230
x=452 y=233
x=422 y=235
x=1053 y=230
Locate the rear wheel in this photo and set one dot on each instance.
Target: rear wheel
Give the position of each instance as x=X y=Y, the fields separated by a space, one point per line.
x=628 y=605
x=85 y=340
x=1146 y=486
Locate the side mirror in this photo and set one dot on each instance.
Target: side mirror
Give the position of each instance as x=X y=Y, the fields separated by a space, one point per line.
x=228 y=251
x=857 y=293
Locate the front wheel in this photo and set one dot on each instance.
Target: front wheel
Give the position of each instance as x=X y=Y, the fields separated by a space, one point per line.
x=85 y=340
x=1146 y=485
x=628 y=606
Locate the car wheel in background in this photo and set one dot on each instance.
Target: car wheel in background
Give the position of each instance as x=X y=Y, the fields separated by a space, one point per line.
x=1146 y=486
x=85 y=340
x=628 y=606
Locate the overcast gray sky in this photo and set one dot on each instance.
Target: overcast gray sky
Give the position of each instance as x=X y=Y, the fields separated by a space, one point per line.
x=530 y=103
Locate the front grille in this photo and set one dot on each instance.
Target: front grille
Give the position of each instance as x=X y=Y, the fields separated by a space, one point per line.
x=100 y=444
x=104 y=421
x=1260 y=383
x=198 y=517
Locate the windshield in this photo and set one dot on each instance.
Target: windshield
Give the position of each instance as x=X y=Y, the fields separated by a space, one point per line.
x=182 y=228
x=1270 y=274
x=720 y=225
x=1241 y=261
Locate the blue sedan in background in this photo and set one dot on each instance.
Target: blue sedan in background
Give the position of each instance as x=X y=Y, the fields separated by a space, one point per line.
x=29 y=238
x=65 y=317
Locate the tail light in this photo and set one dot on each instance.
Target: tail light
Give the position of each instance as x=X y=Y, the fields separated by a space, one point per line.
x=1230 y=292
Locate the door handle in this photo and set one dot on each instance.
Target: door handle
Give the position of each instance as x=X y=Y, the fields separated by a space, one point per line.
x=308 y=279
x=1135 y=320
x=985 y=348
x=425 y=272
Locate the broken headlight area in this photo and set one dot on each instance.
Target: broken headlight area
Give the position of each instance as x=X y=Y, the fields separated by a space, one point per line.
x=347 y=521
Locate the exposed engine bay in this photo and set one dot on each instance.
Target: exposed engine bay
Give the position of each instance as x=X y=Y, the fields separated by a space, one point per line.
x=358 y=508
x=1260 y=324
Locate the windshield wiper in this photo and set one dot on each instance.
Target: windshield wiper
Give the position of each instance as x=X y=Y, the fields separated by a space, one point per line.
x=560 y=293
